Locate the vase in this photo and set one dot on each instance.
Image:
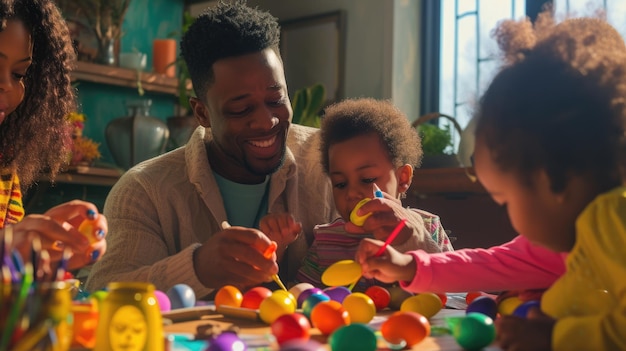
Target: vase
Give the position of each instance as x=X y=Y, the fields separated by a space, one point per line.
x=181 y=128
x=137 y=136
x=108 y=51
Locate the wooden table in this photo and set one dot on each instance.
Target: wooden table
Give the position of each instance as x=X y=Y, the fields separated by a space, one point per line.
x=250 y=329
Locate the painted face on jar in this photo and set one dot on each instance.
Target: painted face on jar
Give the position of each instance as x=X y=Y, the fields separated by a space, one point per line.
x=16 y=49
x=355 y=165
x=249 y=113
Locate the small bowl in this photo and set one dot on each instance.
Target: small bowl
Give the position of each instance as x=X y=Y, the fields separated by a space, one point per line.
x=133 y=60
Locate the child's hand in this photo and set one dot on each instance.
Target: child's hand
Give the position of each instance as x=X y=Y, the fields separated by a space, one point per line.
x=389 y=267
x=386 y=215
x=531 y=333
x=281 y=228
x=58 y=229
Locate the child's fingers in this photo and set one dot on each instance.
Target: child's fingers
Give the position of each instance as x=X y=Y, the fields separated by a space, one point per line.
x=367 y=248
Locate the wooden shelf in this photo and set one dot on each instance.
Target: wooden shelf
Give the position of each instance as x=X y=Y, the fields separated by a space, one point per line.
x=444 y=180
x=123 y=77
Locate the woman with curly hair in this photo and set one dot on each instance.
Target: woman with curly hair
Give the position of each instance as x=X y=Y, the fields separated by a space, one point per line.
x=36 y=57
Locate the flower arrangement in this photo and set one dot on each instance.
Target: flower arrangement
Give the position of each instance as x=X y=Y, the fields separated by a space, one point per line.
x=84 y=150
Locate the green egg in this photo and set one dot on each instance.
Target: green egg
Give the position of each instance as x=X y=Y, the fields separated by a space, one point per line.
x=474 y=331
x=353 y=337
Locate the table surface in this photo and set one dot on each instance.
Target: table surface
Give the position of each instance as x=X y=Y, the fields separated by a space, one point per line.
x=249 y=328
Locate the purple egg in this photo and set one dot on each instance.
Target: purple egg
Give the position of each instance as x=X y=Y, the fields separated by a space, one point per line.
x=485 y=305
x=226 y=342
x=163 y=300
x=302 y=345
x=337 y=293
x=181 y=296
x=522 y=310
x=306 y=293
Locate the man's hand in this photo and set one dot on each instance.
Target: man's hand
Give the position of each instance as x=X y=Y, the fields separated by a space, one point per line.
x=234 y=256
x=281 y=228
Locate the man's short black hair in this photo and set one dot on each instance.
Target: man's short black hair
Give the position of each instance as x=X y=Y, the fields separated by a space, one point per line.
x=225 y=30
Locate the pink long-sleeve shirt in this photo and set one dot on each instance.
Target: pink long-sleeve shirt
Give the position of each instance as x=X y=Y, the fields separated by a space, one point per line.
x=515 y=265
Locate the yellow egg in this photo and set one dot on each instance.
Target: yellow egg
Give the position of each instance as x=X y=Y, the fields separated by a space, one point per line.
x=508 y=305
x=275 y=306
x=360 y=307
x=288 y=295
x=228 y=295
x=426 y=304
x=355 y=218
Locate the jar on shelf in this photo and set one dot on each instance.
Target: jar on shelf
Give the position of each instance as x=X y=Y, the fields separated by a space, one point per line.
x=137 y=136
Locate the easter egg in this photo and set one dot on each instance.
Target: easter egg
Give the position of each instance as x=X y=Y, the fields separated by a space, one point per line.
x=444 y=299
x=181 y=296
x=306 y=293
x=228 y=295
x=353 y=337
x=360 y=307
x=522 y=309
x=508 y=305
x=275 y=306
x=410 y=327
x=297 y=289
x=337 y=293
x=474 y=331
x=302 y=345
x=485 y=305
x=327 y=316
x=355 y=218
x=163 y=300
x=226 y=342
x=287 y=295
x=470 y=296
x=340 y=273
x=379 y=295
x=311 y=301
x=426 y=304
x=397 y=297
x=294 y=326
x=253 y=297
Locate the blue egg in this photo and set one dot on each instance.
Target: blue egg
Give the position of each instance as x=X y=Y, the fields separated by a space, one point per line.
x=311 y=301
x=306 y=293
x=522 y=310
x=484 y=305
x=337 y=293
x=181 y=296
x=226 y=342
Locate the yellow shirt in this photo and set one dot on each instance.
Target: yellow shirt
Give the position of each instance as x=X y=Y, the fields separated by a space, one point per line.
x=11 y=209
x=589 y=300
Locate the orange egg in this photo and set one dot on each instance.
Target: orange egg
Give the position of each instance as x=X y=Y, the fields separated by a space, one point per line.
x=327 y=316
x=426 y=304
x=411 y=327
x=228 y=295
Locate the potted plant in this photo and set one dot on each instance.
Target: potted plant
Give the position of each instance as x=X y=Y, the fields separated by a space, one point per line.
x=307 y=104
x=437 y=144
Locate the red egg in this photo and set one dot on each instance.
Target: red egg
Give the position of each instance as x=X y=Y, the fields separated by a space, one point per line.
x=411 y=327
x=379 y=295
x=253 y=297
x=444 y=299
x=327 y=316
x=288 y=327
x=472 y=295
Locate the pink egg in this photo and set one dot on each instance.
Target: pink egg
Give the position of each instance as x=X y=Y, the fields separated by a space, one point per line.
x=163 y=300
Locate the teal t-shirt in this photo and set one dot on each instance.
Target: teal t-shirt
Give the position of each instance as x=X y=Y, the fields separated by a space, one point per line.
x=245 y=204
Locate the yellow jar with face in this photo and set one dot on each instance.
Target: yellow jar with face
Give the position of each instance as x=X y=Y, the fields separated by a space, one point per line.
x=130 y=319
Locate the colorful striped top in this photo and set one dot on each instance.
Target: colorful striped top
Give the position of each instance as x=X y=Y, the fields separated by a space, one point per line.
x=332 y=243
x=11 y=207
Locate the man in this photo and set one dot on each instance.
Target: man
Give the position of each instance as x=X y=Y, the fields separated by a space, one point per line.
x=166 y=216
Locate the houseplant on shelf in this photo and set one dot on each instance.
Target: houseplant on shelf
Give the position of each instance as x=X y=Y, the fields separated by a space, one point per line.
x=307 y=104
x=437 y=145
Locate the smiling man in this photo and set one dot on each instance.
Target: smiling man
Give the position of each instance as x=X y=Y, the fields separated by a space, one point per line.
x=246 y=160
